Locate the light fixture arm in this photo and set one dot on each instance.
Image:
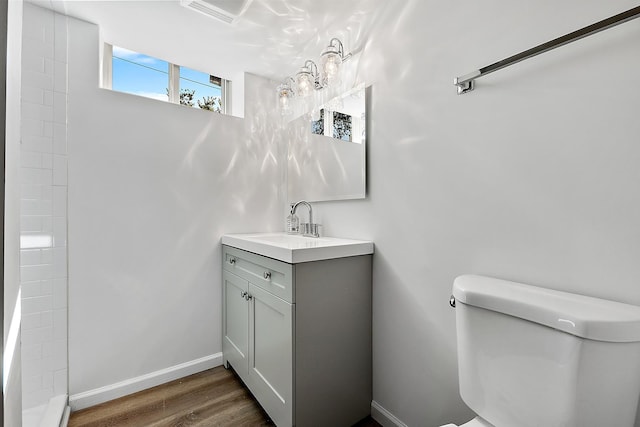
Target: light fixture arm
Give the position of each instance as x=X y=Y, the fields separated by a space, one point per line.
x=313 y=69
x=335 y=42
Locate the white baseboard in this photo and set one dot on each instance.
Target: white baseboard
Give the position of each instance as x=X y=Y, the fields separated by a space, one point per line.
x=133 y=385
x=384 y=417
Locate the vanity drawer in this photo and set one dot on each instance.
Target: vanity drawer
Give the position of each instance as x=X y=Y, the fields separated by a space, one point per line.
x=269 y=274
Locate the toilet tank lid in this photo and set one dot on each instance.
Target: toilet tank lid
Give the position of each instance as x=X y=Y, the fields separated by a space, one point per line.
x=583 y=316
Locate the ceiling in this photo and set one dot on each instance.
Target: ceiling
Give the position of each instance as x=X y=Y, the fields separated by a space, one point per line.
x=273 y=38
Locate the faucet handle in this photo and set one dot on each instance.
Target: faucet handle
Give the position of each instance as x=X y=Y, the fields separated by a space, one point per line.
x=313 y=230
x=309 y=229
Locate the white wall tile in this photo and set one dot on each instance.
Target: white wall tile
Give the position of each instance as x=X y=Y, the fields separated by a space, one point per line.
x=60 y=267
x=40 y=80
x=30 y=273
x=30 y=321
x=47 y=160
x=37 y=143
x=32 y=352
x=36 y=207
x=46 y=256
x=37 y=48
x=30 y=257
x=31 y=192
x=37 y=111
x=47 y=98
x=47 y=377
x=35 y=33
x=59 y=231
x=44 y=102
x=46 y=194
x=33 y=176
x=30 y=223
x=59 y=293
x=31 y=127
x=47 y=320
x=33 y=63
x=59 y=354
x=31 y=383
x=60 y=76
x=59 y=201
x=47 y=224
x=60 y=381
x=49 y=67
x=46 y=287
x=59 y=138
x=47 y=127
x=60 y=107
x=30 y=159
x=60 y=324
x=60 y=42
x=30 y=289
x=38 y=335
x=33 y=94
x=59 y=170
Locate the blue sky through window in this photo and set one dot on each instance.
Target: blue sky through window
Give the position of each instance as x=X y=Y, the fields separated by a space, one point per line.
x=198 y=81
x=140 y=74
x=147 y=76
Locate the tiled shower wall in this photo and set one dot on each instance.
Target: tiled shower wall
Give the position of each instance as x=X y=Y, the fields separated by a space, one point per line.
x=43 y=217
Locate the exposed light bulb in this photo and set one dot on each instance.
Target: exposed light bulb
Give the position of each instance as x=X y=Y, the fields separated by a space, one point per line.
x=304 y=84
x=285 y=93
x=331 y=63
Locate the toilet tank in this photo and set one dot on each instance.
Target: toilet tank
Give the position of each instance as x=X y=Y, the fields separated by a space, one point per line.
x=532 y=357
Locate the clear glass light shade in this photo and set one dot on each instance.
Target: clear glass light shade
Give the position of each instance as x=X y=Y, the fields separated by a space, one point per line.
x=331 y=64
x=304 y=83
x=285 y=94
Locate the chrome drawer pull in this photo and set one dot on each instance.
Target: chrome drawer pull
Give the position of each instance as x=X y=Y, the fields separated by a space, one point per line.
x=232 y=261
x=267 y=275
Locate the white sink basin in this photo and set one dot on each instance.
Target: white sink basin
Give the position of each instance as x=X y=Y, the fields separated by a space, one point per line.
x=293 y=248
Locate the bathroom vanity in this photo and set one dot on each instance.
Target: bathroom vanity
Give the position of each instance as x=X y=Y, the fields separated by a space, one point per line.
x=297 y=325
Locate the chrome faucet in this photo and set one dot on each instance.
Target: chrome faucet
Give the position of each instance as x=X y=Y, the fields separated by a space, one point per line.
x=309 y=229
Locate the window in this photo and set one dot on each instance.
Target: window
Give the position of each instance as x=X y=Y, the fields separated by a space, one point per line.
x=337 y=125
x=143 y=75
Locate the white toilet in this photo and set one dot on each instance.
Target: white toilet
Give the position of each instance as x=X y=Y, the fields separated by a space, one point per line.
x=535 y=357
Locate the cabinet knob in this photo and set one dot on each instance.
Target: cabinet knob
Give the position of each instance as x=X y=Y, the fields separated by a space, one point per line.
x=249 y=297
x=243 y=294
x=452 y=301
x=232 y=260
x=267 y=275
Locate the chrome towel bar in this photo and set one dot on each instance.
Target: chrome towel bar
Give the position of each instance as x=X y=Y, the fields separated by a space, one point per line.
x=466 y=83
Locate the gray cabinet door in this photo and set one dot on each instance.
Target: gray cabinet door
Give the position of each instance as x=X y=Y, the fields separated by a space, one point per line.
x=235 y=343
x=271 y=354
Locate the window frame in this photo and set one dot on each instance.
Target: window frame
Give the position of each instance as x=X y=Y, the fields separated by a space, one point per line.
x=173 y=82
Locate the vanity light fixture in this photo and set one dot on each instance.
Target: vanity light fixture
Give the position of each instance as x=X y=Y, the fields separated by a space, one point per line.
x=331 y=60
x=308 y=79
x=285 y=94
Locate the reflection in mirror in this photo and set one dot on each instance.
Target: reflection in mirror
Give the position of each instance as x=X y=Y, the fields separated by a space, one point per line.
x=327 y=150
x=342 y=118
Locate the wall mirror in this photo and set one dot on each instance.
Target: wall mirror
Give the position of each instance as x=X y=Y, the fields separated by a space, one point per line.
x=327 y=150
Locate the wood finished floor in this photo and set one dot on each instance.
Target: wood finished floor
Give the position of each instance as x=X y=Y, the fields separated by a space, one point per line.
x=215 y=397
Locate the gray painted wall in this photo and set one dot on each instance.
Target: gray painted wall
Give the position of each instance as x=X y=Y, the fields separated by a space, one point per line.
x=533 y=177
x=152 y=187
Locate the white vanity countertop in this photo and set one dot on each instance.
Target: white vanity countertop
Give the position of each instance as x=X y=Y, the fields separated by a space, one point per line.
x=294 y=248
